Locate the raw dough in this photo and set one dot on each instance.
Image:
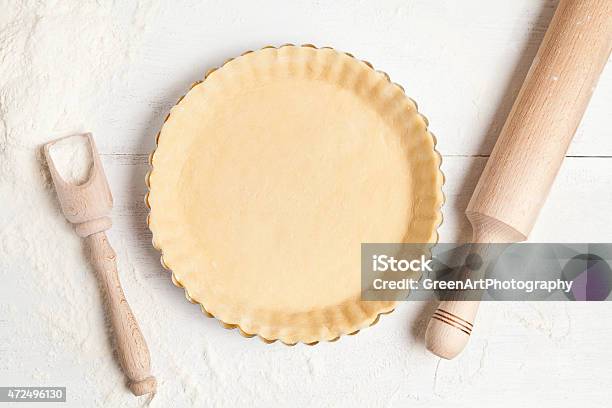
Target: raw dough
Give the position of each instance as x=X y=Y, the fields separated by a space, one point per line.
x=270 y=174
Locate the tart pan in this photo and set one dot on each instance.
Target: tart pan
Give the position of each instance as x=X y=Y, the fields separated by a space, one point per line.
x=270 y=173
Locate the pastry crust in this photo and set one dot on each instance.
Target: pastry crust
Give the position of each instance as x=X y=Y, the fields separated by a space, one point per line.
x=269 y=175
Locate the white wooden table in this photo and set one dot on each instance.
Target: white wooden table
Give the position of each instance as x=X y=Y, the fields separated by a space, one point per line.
x=463 y=62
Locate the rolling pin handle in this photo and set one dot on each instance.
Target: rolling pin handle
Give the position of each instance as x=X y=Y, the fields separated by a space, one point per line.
x=449 y=332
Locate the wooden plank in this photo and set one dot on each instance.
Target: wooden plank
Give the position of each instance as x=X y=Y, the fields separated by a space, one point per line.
x=528 y=340
x=462 y=61
x=465 y=77
x=581 y=197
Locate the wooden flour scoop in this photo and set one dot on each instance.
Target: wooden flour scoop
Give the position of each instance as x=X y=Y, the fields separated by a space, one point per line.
x=531 y=147
x=88 y=207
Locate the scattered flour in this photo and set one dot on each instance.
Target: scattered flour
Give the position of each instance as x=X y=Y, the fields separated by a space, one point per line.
x=62 y=63
x=72 y=157
x=59 y=62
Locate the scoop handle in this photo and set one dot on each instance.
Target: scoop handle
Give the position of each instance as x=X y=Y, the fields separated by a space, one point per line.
x=131 y=346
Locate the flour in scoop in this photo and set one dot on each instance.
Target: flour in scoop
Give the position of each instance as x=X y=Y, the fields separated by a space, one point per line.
x=73 y=158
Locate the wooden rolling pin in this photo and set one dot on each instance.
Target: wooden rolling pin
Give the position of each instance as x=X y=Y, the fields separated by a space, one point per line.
x=88 y=206
x=531 y=146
